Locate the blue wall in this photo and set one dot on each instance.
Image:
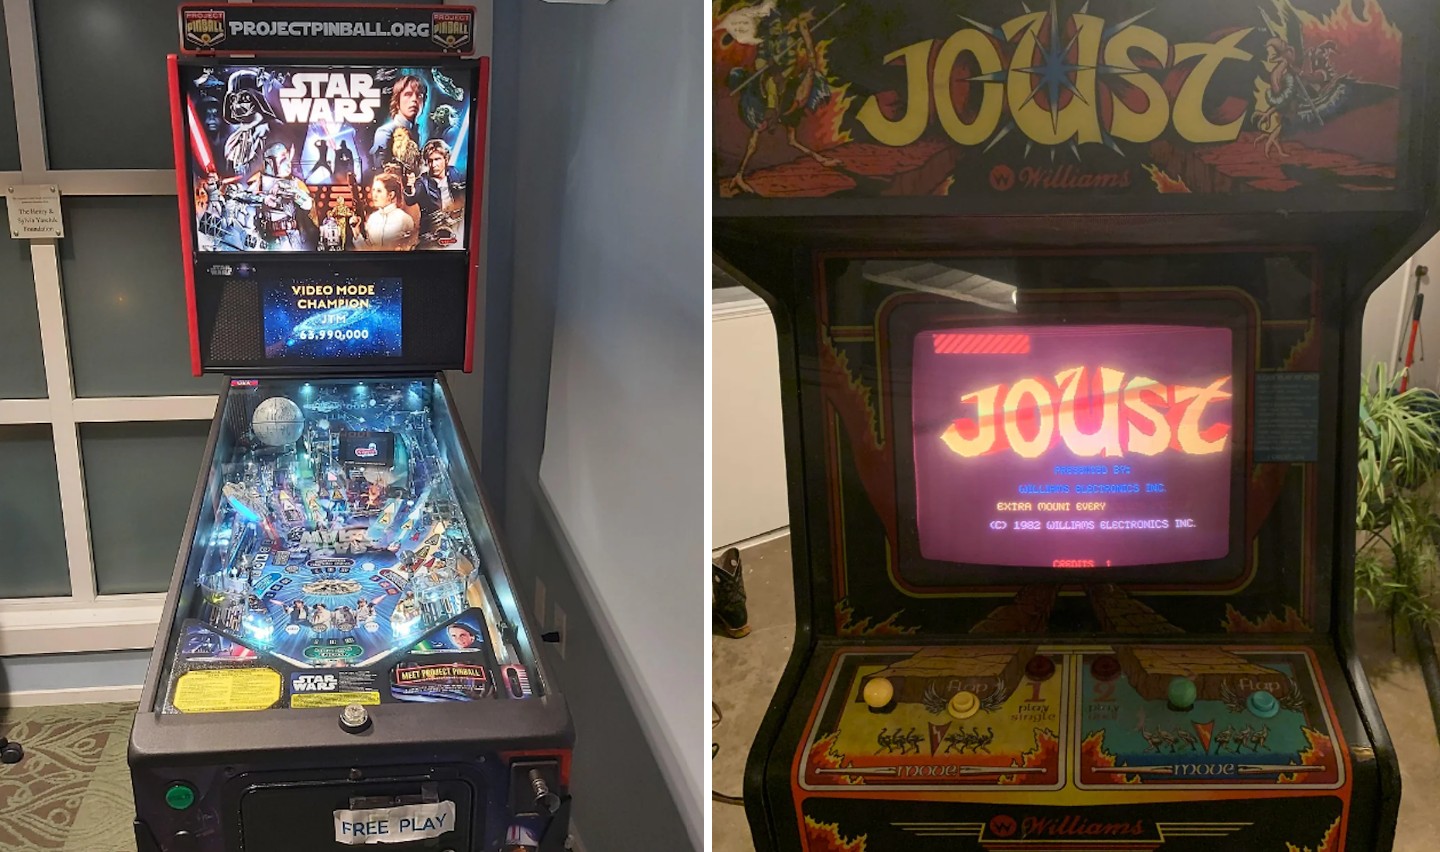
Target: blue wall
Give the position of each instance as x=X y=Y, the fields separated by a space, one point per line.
x=72 y=671
x=595 y=310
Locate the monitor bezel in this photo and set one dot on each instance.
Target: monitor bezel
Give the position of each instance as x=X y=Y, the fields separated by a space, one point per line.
x=906 y=316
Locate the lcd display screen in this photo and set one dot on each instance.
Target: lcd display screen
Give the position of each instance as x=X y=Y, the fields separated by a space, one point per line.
x=1073 y=446
x=336 y=318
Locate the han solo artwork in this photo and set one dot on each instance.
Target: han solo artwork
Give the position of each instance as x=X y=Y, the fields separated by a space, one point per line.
x=292 y=158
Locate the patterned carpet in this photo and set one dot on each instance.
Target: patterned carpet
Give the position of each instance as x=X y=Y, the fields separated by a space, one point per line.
x=71 y=793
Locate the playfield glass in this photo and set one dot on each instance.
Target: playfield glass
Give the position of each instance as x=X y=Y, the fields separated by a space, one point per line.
x=1073 y=446
x=335 y=559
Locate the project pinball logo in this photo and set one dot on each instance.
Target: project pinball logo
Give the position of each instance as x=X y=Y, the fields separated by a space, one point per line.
x=204 y=28
x=450 y=30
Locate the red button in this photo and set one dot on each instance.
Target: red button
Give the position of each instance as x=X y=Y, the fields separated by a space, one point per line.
x=1105 y=668
x=1040 y=668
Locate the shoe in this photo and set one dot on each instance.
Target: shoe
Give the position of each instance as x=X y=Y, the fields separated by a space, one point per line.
x=727 y=607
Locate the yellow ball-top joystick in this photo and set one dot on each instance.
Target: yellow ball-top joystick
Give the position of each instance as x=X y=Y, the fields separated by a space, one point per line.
x=878 y=692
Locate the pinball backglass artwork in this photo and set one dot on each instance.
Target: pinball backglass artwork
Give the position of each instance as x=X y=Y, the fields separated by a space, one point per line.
x=292 y=158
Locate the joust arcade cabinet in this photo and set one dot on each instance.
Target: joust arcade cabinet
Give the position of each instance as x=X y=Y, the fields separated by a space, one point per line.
x=1069 y=300
x=341 y=659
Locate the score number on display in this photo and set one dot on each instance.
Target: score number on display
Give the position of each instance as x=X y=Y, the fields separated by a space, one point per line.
x=334 y=334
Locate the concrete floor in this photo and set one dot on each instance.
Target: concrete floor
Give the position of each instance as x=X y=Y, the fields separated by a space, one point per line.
x=1395 y=677
x=745 y=672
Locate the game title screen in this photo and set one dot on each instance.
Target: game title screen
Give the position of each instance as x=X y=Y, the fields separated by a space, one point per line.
x=332 y=319
x=334 y=159
x=1073 y=447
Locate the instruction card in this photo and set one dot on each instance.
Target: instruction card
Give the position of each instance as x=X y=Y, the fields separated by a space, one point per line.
x=401 y=824
x=226 y=690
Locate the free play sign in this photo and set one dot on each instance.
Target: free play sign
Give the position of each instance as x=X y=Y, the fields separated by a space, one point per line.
x=400 y=824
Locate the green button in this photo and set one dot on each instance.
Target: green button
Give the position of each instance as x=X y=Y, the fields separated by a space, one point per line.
x=1182 y=693
x=180 y=796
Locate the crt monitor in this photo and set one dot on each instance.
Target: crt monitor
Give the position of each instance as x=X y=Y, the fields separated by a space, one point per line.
x=1075 y=445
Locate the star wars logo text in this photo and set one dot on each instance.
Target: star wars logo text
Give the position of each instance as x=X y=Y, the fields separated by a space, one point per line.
x=321 y=96
x=1061 y=81
x=314 y=683
x=1093 y=413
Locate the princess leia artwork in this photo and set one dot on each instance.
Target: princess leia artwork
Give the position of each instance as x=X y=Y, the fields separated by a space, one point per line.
x=389 y=228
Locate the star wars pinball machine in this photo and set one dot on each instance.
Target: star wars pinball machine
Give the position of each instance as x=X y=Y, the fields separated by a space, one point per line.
x=341 y=659
x=1069 y=299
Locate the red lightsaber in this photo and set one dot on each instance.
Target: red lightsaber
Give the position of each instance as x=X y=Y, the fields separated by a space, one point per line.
x=199 y=145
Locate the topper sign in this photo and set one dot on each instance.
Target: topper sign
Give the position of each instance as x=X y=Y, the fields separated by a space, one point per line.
x=330 y=28
x=1136 y=414
x=1044 y=73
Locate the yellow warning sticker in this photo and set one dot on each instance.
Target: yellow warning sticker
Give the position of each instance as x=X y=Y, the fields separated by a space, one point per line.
x=333 y=699
x=223 y=690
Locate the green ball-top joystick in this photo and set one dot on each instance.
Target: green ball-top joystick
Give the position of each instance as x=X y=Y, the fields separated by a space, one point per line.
x=1182 y=693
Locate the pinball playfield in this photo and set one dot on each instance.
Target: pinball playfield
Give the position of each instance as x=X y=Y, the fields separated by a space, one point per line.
x=338 y=567
x=343 y=647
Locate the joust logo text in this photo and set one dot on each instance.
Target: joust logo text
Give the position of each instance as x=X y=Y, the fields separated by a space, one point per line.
x=324 y=96
x=1122 y=414
x=1060 y=81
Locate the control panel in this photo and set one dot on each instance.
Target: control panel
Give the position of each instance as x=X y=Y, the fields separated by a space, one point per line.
x=1127 y=717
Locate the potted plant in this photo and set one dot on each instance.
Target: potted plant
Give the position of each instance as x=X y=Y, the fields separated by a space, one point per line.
x=1395 y=512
